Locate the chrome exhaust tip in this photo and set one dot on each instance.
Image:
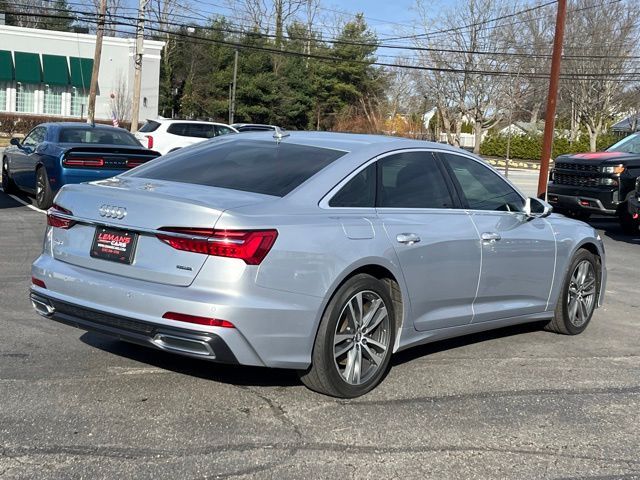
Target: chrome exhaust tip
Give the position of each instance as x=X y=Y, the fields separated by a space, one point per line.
x=174 y=343
x=42 y=306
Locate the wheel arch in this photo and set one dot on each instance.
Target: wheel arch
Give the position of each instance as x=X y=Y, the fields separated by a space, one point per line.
x=383 y=270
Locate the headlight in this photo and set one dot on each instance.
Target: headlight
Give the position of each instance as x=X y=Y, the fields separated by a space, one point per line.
x=609 y=181
x=616 y=169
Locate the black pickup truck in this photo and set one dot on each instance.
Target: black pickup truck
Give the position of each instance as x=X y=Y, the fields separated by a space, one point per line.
x=600 y=182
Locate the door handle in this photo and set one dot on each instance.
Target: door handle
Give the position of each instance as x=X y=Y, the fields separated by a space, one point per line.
x=490 y=237
x=407 y=238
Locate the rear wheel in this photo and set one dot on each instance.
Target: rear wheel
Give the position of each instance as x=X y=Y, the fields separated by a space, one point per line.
x=44 y=195
x=353 y=347
x=8 y=185
x=579 y=296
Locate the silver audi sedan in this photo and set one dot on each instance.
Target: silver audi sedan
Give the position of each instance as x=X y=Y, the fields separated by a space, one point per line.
x=320 y=252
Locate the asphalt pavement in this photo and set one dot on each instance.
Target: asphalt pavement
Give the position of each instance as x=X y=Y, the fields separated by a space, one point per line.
x=514 y=403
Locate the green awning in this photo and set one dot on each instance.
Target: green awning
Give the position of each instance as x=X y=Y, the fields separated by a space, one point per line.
x=55 y=70
x=6 y=66
x=81 y=69
x=28 y=67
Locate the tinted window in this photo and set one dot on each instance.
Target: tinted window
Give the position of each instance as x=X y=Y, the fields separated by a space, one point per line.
x=99 y=136
x=630 y=144
x=249 y=165
x=483 y=189
x=254 y=128
x=178 y=129
x=200 y=130
x=360 y=191
x=149 y=126
x=35 y=137
x=412 y=180
x=222 y=130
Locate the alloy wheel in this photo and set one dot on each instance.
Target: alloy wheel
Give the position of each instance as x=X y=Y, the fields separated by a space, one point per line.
x=582 y=293
x=362 y=337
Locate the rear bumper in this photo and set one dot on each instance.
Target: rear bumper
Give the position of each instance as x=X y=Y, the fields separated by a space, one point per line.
x=272 y=328
x=579 y=199
x=208 y=346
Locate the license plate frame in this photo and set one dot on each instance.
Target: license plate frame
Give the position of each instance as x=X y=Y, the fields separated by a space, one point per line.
x=114 y=245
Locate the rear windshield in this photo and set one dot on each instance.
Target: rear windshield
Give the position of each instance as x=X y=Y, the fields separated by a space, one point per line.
x=149 y=126
x=98 y=136
x=248 y=165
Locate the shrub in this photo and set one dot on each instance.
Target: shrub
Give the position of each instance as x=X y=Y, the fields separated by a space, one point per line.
x=529 y=147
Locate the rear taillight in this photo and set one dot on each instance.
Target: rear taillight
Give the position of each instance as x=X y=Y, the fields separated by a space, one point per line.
x=212 y=322
x=37 y=282
x=149 y=141
x=248 y=245
x=55 y=220
x=83 y=162
x=134 y=163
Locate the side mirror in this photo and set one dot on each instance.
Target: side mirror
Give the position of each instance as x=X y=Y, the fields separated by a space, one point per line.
x=536 y=208
x=15 y=141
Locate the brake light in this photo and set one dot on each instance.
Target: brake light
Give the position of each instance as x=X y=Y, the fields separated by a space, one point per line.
x=84 y=162
x=211 y=322
x=248 y=245
x=54 y=220
x=134 y=163
x=37 y=282
x=149 y=141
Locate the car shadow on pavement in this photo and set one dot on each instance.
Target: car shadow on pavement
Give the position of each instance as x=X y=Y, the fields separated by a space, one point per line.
x=458 y=342
x=613 y=230
x=8 y=202
x=239 y=375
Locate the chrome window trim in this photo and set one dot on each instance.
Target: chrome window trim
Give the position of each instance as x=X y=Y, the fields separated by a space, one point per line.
x=324 y=202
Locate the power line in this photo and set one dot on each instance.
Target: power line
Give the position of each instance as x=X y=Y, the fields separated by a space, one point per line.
x=617 y=76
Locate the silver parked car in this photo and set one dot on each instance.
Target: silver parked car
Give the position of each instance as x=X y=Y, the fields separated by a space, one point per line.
x=320 y=252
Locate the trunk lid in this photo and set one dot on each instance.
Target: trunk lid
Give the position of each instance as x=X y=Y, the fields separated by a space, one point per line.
x=140 y=206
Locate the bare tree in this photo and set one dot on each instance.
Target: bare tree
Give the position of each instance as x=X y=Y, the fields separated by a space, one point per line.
x=120 y=99
x=458 y=90
x=599 y=46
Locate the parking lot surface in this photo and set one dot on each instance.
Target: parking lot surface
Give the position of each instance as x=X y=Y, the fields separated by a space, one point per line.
x=513 y=403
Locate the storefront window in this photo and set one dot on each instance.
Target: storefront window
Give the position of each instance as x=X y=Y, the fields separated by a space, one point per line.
x=53 y=99
x=78 y=103
x=3 y=96
x=25 y=97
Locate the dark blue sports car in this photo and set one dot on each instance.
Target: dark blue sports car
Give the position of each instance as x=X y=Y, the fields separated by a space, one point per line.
x=54 y=154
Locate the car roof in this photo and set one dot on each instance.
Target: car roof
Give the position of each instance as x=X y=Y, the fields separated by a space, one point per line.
x=347 y=142
x=82 y=125
x=171 y=120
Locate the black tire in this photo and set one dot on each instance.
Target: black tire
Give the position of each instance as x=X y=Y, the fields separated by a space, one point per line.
x=326 y=374
x=629 y=225
x=564 y=320
x=44 y=195
x=8 y=185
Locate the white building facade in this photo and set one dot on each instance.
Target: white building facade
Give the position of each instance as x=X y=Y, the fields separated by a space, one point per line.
x=46 y=72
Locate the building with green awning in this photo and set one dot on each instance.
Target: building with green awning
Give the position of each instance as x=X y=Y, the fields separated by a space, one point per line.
x=46 y=72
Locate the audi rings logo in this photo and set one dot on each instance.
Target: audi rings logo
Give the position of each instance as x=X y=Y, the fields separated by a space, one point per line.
x=111 y=211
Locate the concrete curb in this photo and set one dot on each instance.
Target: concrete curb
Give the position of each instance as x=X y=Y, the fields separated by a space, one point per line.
x=496 y=162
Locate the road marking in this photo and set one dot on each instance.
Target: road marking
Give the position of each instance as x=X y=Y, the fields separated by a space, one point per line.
x=18 y=199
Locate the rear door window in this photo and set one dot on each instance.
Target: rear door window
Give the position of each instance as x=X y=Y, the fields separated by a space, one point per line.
x=255 y=166
x=149 y=126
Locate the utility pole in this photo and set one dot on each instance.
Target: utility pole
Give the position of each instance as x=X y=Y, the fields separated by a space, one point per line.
x=93 y=89
x=552 y=97
x=137 y=72
x=232 y=110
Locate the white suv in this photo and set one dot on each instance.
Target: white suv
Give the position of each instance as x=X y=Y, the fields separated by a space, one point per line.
x=167 y=135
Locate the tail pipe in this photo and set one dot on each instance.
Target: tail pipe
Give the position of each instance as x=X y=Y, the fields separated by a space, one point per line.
x=42 y=305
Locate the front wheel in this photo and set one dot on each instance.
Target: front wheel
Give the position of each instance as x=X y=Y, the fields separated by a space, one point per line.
x=44 y=195
x=8 y=185
x=353 y=346
x=579 y=296
x=628 y=224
